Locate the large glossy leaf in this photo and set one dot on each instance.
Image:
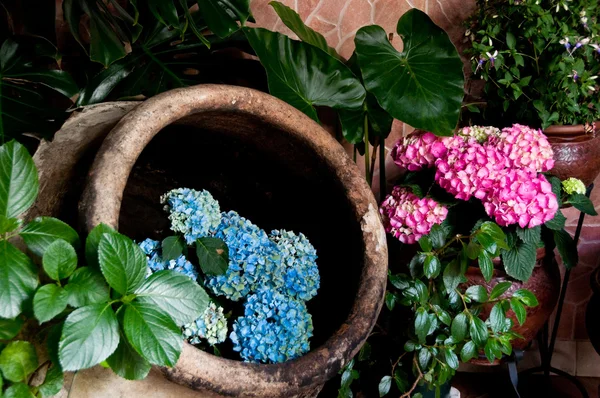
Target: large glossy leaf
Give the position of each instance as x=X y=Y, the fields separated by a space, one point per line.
x=18 y=280
x=86 y=286
x=18 y=180
x=423 y=85
x=18 y=360
x=519 y=261
x=43 y=231
x=49 y=301
x=165 y=11
x=59 y=260
x=122 y=262
x=127 y=363
x=305 y=76
x=93 y=241
x=222 y=15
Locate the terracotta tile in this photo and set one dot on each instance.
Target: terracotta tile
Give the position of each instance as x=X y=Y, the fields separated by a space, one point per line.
x=579 y=291
x=588 y=361
x=567 y=321
x=565 y=356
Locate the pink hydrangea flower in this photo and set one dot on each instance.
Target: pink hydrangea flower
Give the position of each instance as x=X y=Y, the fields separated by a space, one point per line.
x=525 y=148
x=419 y=150
x=481 y=134
x=523 y=197
x=469 y=169
x=407 y=217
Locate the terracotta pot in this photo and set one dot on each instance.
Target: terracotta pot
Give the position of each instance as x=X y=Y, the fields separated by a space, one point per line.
x=576 y=151
x=544 y=283
x=271 y=163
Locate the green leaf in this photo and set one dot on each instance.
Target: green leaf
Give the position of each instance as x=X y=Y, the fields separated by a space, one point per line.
x=292 y=20
x=53 y=382
x=566 y=248
x=165 y=12
x=384 y=385
x=49 y=301
x=8 y=224
x=519 y=262
x=422 y=324
x=451 y=358
x=486 y=265
x=59 y=260
x=127 y=363
x=487 y=242
x=458 y=330
x=18 y=179
x=437 y=234
x=9 y=328
x=93 y=242
x=493 y=230
x=390 y=300
x=99 y=86
x=172 y=247
x=558 y=222
x=444 y=316
x=526 y=297
x=519 y=310
x=18 y=360
x=221 y=15
x=489 y=350
x=152 y=333
x=175 y=294
x=213 y=255
x=89 y=336
x=582 y=203
x=422 y=86
x=422 y=291
x=468 y=352
x=18 y=280
x=511 y=41
x=379 y=122
x=452 y=275
x=432 y=266
x=43 y=231
x=304 y=76
x=123 y=263
x=18 y=390
x=477 y=293
x=401 y=379
x=365 y=352
x=499 y=289
x=416 y=265
x=478 y=331
x=530 y=235
x=425 y=244
x=424 y=357
x=497 y=318
x=473 y=250
x=86 y=286
x=399 y=281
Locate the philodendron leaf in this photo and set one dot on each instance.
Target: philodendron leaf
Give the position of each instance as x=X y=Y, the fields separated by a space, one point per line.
x=59 y=260
x=89 y=336
x=213 y=255
x=53 y=382
x=127 y=363
x=164 y=11
x=18 y=179
x=222 y=15
x=305 y=76
x=93 y=241
x=423 y=85
x=175 y=294
x=152 y=333
x=519 y=261
x=43 y=231
x=18 y=280
x=49 y=301
x=86 y=286
x=18 y=360
x=122 y=262
x=9 y=328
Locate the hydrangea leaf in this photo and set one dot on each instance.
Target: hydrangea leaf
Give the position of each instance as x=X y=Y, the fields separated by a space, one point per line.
x=93 y=241
x=49 y=301
x=9 y=328
x=43 y=231
x=122 y=262
x=520 y=260
x=18 y=360
x=53 y=382
x=86 y=286
x=172 y=247
x=213 y=255
x=18 y=179
x=18 y=280
x=530 y=235
x=59 y=260
x=127 y=363
x=423 y=85
x=8 y=224
x=18 y=390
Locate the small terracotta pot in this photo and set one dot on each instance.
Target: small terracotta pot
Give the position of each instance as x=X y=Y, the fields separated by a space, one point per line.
x=576 y=151
x=544 y=283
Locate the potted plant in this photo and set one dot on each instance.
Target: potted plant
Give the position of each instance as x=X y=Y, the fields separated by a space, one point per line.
x=540 y=64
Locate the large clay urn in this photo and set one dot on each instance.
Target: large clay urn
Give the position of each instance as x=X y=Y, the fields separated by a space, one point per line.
x=274 y=165
x=576 y=151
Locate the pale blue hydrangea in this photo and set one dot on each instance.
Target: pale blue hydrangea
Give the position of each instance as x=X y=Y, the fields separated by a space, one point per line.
x=253 y=259
x=211 y=326
x=299 y=267
x=156 y=263
x=275 y=328
x=192 y=213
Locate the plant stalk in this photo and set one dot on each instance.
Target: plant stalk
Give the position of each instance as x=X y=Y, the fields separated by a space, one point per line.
x=382 y=179
x=366 y=140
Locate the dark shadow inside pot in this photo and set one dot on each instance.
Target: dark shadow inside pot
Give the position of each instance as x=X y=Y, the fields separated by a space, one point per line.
x=265 y=175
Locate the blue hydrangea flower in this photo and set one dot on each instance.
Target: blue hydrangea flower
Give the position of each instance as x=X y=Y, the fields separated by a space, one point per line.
x=211 y=326
x=156 y=263
x=299 y=267
x=192 y=213
x=253 y=259
x=275 y=328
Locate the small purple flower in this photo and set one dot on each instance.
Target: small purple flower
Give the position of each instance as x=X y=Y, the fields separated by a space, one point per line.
x=565 y=42
x=480 y=64
x=492 y=57
x=596 y=47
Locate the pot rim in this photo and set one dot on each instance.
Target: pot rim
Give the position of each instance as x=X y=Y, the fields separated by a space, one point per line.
x=569 y=131
x=200 y=370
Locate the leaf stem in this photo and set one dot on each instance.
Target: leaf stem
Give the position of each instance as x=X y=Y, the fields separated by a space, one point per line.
x=366 y=140
x=419 y=377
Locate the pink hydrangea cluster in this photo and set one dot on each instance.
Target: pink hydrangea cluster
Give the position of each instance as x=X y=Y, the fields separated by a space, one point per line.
x=521 y=196
x=420 y=149
x=407 y=217
x=469 y=168
x=480 y=134
x=525 y=148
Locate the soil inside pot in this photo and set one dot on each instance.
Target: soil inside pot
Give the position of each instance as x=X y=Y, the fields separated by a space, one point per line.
x=277 y=183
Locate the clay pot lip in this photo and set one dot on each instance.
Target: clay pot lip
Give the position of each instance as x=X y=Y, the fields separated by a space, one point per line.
x=564 y=135
x=102 y=199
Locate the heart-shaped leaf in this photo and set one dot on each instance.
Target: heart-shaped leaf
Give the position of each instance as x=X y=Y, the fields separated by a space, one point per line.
x=18 y=280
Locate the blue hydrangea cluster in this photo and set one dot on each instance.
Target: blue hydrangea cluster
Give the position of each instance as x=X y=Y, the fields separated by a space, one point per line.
x=274 y=328
x=192 y=213
x=298 y=264
x=211 y=326
x=253 y=259
x=156 y=263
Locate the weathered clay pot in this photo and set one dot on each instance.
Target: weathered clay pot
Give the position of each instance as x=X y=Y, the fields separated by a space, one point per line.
x=271 y=163
x=544 y=283
x=576 y=151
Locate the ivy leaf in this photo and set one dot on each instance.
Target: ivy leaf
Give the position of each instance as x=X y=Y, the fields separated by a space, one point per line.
x=478 y=331
x=53 y=382
x=558 y=222
x=175 y=294
x=451 y=358
x=152 y=333
x=213 y=255
x=518 y=309
x=18 y=390
x=43 y=231
x=221 y=15
x=566 y=248
x=526 y=297
x=172 y=248
x=59 y=260
x=582 y=203
x=477 y=293
x=18 y=360
x=86 y=286
x=9 y=328
x=422 y=86
x=422 y=324
x=127 y=363
x=458 y=330
x=486 y=265
x=18 y=280
x=89 y=336
x=519 y=261
x=530 y=235
x=468 y=352
x=49 y=301
x=499 y=289
x=93 y=241
x=122 y=262
x=18 y=180
x=384 y=385
x=304 y=76
x=432 y=266
x=497 y=318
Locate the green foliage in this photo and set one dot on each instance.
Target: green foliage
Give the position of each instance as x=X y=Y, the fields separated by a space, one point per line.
x=213 y=255
x=18 y=360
